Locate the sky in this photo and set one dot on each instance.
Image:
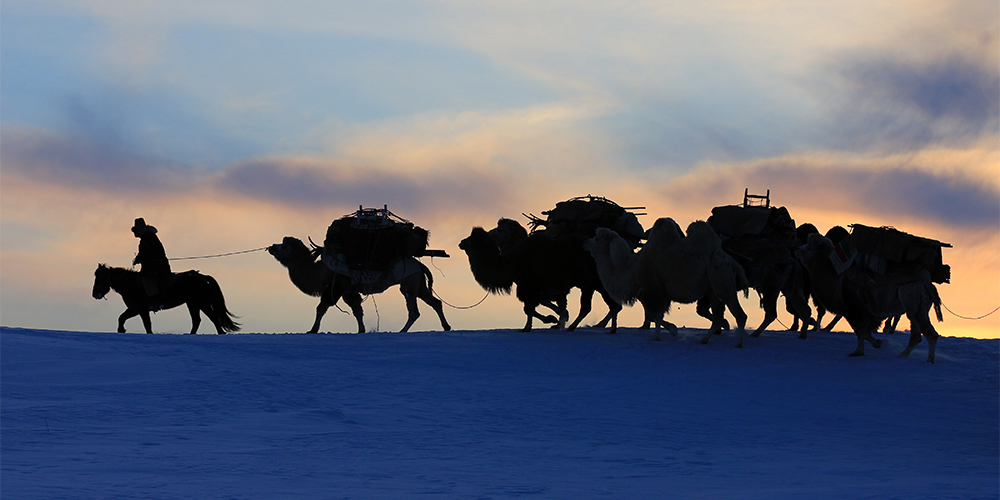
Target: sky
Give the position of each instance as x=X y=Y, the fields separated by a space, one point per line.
x=228 y=125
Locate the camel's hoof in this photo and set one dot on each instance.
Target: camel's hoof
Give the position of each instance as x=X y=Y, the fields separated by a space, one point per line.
x=121 y=330
x=855 y=354
x=877 y=343
x=525 y=330
x=738 y=346
x=803 y=336
x=755 y=334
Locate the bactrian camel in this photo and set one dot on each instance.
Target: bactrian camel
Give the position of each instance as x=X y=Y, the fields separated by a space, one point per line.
x=865 y=298
x=310 y=275
x=544 y=268
x=672 y=267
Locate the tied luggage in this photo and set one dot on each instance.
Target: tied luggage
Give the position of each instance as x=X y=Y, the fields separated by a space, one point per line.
x=375 y=247
x=584 y=214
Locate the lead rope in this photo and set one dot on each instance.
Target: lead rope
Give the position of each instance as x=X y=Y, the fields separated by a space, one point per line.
x=220 y=254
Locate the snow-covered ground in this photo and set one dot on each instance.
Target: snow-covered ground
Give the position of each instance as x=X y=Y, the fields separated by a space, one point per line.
x=494 y=414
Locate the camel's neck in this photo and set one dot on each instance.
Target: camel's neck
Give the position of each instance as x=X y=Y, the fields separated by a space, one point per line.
x=827 y=285
x=309 y=277
x=491 y=270
x=616 y=269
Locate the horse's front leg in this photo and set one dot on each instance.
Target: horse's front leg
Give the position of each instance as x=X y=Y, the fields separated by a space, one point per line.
x=196 y=318
x=128 y=314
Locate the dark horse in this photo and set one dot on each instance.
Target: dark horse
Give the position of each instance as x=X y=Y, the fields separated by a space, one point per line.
x=199 y=291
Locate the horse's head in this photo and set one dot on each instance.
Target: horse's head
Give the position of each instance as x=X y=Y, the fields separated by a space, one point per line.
x=102 y=281
x=291 y=250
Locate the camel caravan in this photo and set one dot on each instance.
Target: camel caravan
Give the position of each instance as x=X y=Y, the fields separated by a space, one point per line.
x=867 y=276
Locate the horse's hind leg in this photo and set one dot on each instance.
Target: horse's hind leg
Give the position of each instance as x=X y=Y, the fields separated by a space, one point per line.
x=196 y=318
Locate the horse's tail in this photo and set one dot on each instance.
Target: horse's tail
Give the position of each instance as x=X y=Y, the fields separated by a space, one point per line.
x=217 y=303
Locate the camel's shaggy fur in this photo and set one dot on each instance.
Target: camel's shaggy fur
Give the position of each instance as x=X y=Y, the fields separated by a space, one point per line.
x=310 y=275
x=543 y=267
x=672 y=267
x=865 y=299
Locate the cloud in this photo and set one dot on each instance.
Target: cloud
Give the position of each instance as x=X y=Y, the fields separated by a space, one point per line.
x=321 y=184
x=952 y=99
x=76 y=162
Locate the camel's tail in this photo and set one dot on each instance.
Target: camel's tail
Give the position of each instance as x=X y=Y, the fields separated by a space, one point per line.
x=936 y=300
x=217 y=303
x=427 y=274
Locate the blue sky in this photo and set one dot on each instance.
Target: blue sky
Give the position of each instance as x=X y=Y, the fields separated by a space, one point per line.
x=232 y=124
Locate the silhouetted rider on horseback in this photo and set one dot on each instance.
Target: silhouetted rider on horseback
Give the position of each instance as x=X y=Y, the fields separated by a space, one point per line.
x=152 y=257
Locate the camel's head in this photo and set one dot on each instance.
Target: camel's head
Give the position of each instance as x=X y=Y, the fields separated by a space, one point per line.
x=291 y=250
x=601 y=241
x=803 y=231
x=817 y=247
x=508 y=232
x=477 y=241
x=664 y=230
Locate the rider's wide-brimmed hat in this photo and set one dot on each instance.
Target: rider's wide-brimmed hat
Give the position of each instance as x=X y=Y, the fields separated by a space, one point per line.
x=140 y=226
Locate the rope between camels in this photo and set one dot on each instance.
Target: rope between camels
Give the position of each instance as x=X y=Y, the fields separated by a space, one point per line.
x=445 y=301
x=966 y=317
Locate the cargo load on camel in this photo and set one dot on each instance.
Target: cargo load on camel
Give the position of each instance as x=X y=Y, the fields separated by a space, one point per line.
x=751 y=232
x=584 y=214
x=885 y=250
x=375 y=247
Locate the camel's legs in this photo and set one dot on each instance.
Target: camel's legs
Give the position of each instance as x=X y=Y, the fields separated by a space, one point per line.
x=428 y=297
x=353 y=300
x=586 y=304
x=833 y=323
x=325 y=301
x=412 y=313
x=769 y=301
